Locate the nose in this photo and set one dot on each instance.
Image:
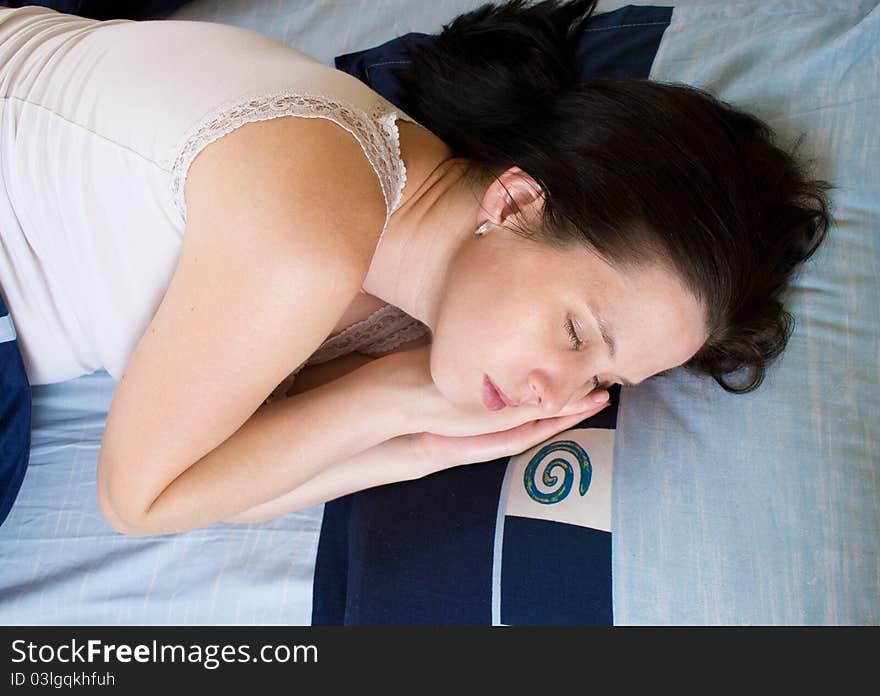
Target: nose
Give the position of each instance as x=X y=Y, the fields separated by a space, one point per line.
x=548 y=394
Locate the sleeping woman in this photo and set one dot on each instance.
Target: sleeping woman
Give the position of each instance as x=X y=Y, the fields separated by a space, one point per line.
x=305 y=291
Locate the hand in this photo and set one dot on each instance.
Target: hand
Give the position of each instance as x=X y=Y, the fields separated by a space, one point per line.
x=437 y=452
x=429 y=411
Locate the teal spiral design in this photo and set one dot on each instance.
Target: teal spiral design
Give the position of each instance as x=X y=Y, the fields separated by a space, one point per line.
x=549 y=479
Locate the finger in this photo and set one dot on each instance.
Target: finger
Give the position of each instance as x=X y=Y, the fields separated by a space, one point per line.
x=442 y=451
x=502 y=443
x=545 y=429
x=586 y=406
x=591 y=403
x=552 y=426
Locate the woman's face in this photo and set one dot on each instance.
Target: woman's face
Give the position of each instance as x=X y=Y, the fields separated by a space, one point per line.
x=510 y=305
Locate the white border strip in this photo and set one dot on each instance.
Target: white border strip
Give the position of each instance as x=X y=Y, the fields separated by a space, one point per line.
x=7 y=329
x=499 y=545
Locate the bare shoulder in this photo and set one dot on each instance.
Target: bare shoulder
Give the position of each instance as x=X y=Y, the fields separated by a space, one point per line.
x=306 y=176
x=282 y=219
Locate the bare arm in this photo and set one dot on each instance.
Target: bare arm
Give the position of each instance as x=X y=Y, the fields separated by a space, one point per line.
x=394 y=460
x=403 y=458
x=284 y=445
x=397 y=459
x=269 y=261
x=410 y=457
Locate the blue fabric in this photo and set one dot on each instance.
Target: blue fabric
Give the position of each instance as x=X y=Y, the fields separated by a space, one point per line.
x=417 y=551
x=543 y=566
x=425 y=552
x=434 y=551
x=15 y=415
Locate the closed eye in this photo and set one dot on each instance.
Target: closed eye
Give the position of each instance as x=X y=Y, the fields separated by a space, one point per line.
x=575 y=341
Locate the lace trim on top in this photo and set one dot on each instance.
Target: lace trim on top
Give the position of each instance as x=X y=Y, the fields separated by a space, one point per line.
x=382 y=331
x=377 y=134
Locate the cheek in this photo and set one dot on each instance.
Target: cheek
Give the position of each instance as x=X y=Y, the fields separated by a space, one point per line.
x=468 y=337
x=458 y=349
x=484 y=323
x=472 y=338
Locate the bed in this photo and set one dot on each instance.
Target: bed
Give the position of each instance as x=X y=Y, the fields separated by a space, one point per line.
x=691 y=506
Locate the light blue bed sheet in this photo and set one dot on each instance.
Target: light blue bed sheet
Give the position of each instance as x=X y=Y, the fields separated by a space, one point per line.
x=765 y=508
x=62 y=564
x=755 y=509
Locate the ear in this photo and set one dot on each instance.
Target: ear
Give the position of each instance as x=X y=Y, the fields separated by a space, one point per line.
x=512 y=193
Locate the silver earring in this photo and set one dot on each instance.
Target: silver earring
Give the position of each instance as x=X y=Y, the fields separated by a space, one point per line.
x=483 y=229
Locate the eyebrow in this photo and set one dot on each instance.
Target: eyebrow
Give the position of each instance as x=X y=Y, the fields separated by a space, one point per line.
x=605 y=329
x=607 y=332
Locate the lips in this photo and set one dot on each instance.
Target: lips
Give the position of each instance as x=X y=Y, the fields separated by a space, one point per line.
x=507 y=400
x=493 y=398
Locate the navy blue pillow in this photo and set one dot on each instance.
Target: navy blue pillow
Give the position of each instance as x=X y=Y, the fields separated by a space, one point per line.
x=15 y=415
x=455 y=548
x=622 y=43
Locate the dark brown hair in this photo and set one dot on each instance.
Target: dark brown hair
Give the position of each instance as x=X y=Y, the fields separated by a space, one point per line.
x=637 y=170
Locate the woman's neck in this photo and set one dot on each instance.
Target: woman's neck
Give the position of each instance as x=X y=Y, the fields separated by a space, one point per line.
x=435 y=216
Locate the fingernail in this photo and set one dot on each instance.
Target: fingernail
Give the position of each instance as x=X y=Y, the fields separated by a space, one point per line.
x=599 y=397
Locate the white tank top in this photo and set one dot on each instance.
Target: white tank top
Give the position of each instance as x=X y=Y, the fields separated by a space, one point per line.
x=99 y=123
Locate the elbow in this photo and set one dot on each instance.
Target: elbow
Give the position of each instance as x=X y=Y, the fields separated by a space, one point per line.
x=122 y=513
x=123 y=520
